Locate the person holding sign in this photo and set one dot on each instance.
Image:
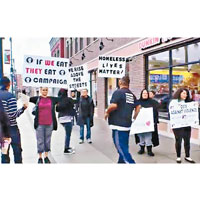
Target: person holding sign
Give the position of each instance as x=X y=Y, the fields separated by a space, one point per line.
x=148 y=139
x=182 y=96
x=119 y=114
x=85 y=115
x=45 y=122
x=66 y=113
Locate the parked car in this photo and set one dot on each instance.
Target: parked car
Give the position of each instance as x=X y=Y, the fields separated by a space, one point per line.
x=163 y=100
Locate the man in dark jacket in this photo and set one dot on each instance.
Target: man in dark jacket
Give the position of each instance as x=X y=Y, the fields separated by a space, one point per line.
x=10 y=106
x=86 y=113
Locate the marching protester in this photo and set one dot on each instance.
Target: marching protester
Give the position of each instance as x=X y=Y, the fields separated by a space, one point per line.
x=4 y=132
x=85 y=115
x=152 y=94
x=45 y=122
x=66 y=112
x=119 y=114
x=10 y=107
x=148 y=138
x=182 y=95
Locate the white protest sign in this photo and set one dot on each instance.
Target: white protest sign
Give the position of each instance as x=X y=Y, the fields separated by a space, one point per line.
x=183 y=114
x=78 y=77
x=144 y=122
x=111 y=66
x=45 y=71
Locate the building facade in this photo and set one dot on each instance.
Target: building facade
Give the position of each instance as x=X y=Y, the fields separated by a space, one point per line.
x=159 y=64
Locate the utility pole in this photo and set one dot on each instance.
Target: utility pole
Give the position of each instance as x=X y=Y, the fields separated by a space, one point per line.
x=1 y=57
x=11 y=67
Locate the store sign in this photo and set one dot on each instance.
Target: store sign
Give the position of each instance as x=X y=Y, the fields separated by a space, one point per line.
x=164 y=78
x=150 y=42
x=111 y=66
x=45 y=71
x=78 y=77
x=7 y=56
x=183 y=114
x=144 y=122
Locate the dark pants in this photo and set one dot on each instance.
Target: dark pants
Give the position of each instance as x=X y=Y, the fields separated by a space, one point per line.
x=16 y=146
x=68 y=130
x=185 y=134
x=121 y=141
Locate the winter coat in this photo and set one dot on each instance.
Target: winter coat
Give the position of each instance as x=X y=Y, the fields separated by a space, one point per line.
x=81 y=114
x=146 y=104
x=54 y=101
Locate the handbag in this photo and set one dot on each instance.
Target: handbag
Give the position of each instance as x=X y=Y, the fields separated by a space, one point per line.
x=35 y=107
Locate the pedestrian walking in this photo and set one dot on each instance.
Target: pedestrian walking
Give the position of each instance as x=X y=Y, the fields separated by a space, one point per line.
x=148 y=139
x=66 y=113
x=45 y=122
x=119 y=114
x=182 y=95
x=10 y=107
x=85 y=115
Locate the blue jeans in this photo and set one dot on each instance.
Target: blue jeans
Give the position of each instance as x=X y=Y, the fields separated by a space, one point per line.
x=88 y=136
x=121 y=141
x=16 y=146
x=68 y=130
x=145 y=139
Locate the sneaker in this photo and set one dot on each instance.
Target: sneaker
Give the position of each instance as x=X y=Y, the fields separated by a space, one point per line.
x=46 y=160
x=81 y=141
x=189 y=160
x=69 y=151
x=178 y=160
x=40 y=161
x=89 y=141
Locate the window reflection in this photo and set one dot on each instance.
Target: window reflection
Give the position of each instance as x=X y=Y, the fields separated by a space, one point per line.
x=179 y=55
x=159 y=60
x=194 y=52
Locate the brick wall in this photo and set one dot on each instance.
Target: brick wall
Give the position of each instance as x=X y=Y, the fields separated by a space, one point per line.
x=137 y=75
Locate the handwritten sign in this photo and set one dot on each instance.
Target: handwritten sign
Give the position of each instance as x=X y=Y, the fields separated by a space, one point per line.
x=45 y=71
x=78 y=77
x=144 y=122
x=183 y=114
x=111 y=66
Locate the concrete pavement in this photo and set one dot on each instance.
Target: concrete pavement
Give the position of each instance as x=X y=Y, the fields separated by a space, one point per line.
x=101 y=150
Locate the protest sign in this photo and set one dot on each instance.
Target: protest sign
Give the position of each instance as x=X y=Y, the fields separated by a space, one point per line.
x=45 y=71
x=78 y=77
x=183 y=114
x=111 y=66
x=144 y=122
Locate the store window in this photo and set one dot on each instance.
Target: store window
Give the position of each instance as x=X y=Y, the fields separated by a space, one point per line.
x=194 y=52
x=159 y=60
x=88 y=41
x=179 y=55
x=111 y=87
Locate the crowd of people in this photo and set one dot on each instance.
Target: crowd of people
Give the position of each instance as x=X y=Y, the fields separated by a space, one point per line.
x=79 y=109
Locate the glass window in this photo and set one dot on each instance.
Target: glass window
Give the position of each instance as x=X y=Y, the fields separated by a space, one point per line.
x=179 y=55
x=76 y=45
x=159 y=60
x=71 y=47
x=81 y=43
x=58 y=53
x=194 y=52
x=188 y=79
x=67 y=49
x=111 y=87
x=94 y=38
x=88 y=41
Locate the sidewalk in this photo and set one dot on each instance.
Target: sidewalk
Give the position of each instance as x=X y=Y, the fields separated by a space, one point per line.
x=101 y=150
